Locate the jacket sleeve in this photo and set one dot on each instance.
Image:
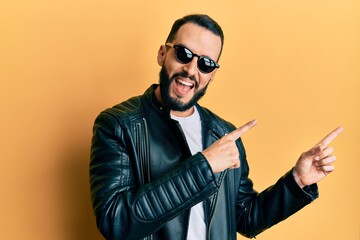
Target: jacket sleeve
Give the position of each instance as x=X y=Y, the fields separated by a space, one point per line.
x=123 y=208
x=257 y=212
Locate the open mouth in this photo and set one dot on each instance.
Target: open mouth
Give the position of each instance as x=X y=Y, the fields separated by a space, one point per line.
x=183 y=87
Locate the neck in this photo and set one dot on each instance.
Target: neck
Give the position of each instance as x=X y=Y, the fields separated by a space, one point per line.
x=186 y=113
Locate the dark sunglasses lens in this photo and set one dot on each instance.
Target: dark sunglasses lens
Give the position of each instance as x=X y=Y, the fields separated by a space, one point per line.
x=183 y=54
x=206 y=65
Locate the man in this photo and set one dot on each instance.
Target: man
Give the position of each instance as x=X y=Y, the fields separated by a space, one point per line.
x=163 y=167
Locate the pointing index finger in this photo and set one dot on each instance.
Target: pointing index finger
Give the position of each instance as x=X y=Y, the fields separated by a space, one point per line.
x=331 y=136
x=234 y=135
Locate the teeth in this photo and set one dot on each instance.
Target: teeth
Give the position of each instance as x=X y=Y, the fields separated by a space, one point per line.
x=185 y=83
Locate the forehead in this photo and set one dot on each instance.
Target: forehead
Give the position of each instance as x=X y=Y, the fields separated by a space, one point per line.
x=199 y=40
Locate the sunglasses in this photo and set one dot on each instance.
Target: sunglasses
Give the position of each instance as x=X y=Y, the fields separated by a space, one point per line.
x=185 y=55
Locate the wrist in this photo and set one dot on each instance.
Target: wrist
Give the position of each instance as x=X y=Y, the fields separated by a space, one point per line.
x=298 y=179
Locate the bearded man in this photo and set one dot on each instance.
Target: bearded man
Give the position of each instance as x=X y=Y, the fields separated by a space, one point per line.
x=163 y=167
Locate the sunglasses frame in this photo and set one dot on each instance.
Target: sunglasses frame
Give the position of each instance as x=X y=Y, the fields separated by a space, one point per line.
x=207 y=59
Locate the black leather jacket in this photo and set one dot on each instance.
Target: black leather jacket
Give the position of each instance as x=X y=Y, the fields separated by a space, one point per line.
x=144 y=179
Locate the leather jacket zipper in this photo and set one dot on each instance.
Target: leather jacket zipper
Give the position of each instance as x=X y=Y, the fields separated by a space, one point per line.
x=142 y=138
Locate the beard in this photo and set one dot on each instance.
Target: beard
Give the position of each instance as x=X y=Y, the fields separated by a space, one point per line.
x=173 y=103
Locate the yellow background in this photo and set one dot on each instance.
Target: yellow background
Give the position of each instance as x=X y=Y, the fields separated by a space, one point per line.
x=293 y=65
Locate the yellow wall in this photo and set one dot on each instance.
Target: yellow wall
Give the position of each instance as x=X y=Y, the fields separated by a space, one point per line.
x=293 y=65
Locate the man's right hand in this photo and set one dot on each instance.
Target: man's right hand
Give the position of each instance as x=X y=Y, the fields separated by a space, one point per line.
x=223 y=153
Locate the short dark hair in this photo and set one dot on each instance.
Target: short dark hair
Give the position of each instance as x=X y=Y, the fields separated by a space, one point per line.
x=201 y=20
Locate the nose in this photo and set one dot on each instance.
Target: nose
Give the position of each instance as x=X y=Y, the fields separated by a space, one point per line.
x=191 y=67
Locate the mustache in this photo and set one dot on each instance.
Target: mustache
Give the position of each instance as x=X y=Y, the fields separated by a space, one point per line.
x=185 y=75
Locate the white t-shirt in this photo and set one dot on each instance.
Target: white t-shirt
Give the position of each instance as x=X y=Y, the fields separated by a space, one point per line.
x=191 y=127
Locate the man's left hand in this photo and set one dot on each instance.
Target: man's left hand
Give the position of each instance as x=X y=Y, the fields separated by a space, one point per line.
x=316 y=163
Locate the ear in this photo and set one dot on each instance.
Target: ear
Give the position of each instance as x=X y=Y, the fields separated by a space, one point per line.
x=161 y=55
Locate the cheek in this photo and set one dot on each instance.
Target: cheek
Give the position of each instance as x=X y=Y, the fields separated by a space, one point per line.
x=174 y=68
x=205 y=80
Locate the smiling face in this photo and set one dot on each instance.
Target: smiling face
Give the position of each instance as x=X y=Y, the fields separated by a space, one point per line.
x=182 y=85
